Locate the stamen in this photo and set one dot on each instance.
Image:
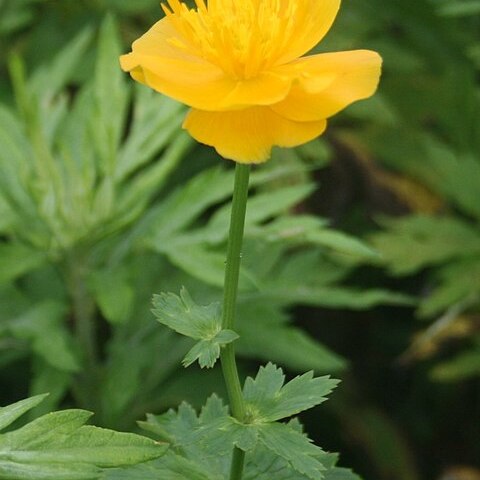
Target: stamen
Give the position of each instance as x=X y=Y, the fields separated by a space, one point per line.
x=241 y=38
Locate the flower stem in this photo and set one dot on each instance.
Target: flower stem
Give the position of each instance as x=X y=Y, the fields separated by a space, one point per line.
x=232 y=270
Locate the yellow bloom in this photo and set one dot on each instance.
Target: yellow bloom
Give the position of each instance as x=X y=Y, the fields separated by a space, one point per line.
x=238 y=65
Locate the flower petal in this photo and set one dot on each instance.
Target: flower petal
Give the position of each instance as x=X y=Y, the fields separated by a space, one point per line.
x=247 y=136
x=169 y=69
x=311 y=22
x=328 y=83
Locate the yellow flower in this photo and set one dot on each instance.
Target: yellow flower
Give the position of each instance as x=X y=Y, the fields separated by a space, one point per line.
x=238 y=65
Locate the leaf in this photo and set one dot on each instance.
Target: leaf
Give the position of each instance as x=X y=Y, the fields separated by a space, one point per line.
x=56 y=382
x=268 y=399
x=261 y=207
x=294 y=447
x=110 y=96
x=292 y=346
x=460 y=8
x=274 y=450
x=52 y=77
x=170 y=467
x=11 y=412
x=340 y=474
x=181 y=428
x=462 y=366
x=341 y=242
x=17 y=259
x=58 y=446
x=455 y=282
x=208 y=351
x=418 y=241
x=44 y=328
x=156 y=121
x=181 y=314
x=113 y=292
x=181 y=207
x=203 y=323
x=307 y=277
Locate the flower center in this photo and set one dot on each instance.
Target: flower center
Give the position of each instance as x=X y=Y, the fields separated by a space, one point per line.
x=242 y=37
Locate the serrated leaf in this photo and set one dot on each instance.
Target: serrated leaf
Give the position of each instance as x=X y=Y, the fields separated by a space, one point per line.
x=181 y=428
x=294 y=447
x=338 y=473
x=182 y=314
x=268 y=399
x=169 y=467
x=208 y=351
x=275 y=450
x=264 y=464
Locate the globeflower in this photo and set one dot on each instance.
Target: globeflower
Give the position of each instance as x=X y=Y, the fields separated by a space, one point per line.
x=238 y=64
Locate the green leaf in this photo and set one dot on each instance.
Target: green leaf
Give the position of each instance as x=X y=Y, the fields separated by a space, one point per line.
x=261 y=207
x=169 y=467
x=17 y=259
x=110 y=96
x=181 y=429
x=205 y=264
x=455 y=282
x=268 y=399
x=337 y=473
x=52 y=77
x=208 y=351
x=294 y=447
x=113 y=293
x=462 y=366
x=203 y=323
x=182 y=314
x=58 y=446
x=418 y=241
x=292 y=346
x=43 y=326
x=274 y=450
x=11 y=412
x=181 y=207
x=341 y=243
x=156 y=121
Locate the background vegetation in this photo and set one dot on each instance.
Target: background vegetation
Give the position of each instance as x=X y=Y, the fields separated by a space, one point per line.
x=104 y=201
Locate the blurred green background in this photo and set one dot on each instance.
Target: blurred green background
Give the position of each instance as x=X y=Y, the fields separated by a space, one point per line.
x=362 y=253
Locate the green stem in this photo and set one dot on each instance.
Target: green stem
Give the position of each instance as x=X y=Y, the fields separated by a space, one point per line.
x=232 y=270
x=83 y=310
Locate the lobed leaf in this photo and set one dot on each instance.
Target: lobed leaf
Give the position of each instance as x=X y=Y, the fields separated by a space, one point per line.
x=208 y=351
x=182 y=314
x=268 y=399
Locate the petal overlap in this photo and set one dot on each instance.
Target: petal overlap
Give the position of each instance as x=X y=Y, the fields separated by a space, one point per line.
x=248 y=135
x=194 y=81
x=238 y=65
x=330 y=82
